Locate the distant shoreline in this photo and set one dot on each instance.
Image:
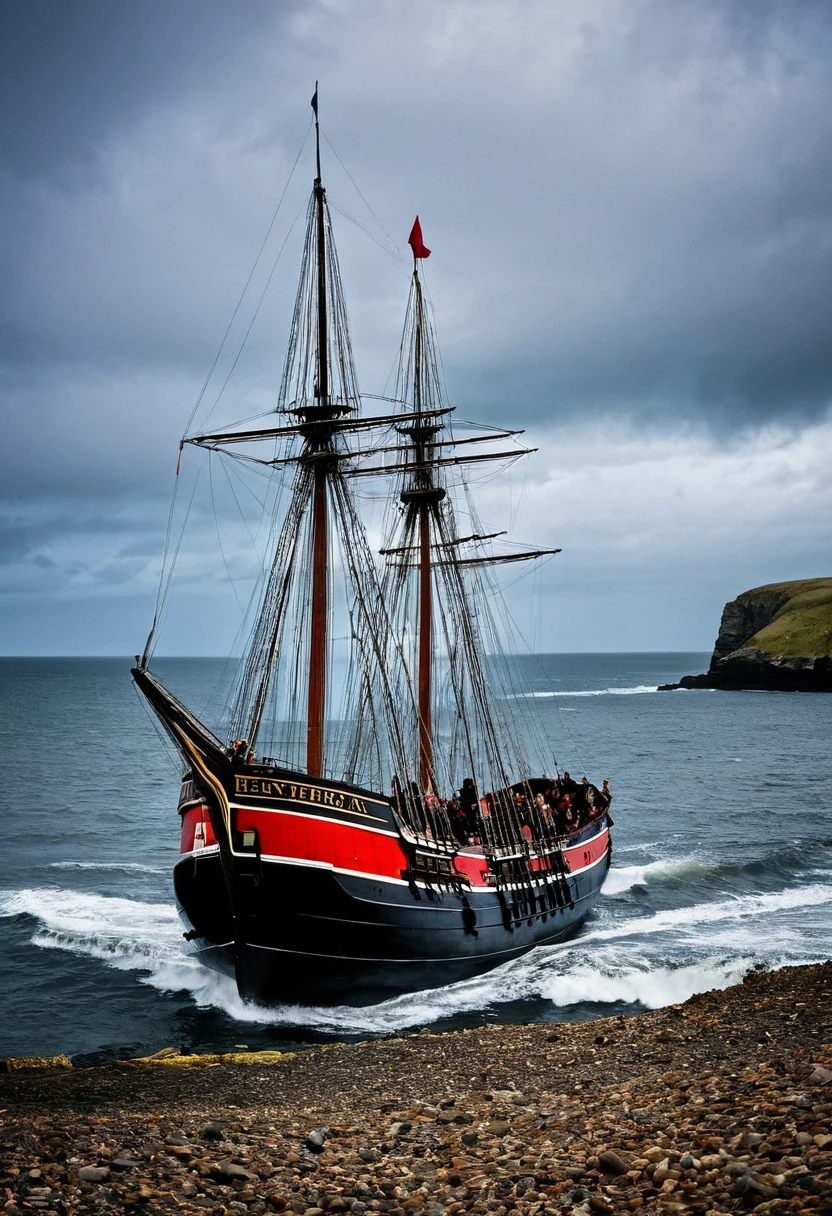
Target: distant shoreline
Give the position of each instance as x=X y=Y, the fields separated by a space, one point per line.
x=219 y=658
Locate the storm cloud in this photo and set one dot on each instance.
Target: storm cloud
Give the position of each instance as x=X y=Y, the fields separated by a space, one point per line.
x=630 y=208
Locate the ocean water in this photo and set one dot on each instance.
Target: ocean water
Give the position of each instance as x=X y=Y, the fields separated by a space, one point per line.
x=722 y=860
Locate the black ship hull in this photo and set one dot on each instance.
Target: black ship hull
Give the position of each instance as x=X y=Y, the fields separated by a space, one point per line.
x=313 y=936
x=315 y=891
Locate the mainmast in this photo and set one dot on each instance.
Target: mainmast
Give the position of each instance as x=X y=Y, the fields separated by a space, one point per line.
x=320 y=598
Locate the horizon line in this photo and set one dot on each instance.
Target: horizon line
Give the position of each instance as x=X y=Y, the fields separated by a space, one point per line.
x=235 y=658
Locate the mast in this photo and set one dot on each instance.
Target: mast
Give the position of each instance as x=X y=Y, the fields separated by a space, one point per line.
x=425 y=587
x=423 y=496
x=320 y=607
x=323 y=329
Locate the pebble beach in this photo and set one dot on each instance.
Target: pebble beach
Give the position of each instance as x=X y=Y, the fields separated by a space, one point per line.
x=721 y=1104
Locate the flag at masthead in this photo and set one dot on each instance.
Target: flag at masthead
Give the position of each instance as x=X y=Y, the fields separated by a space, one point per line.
x=415 y=241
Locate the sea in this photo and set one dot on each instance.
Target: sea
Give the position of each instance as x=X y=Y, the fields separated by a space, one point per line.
x=722 y=861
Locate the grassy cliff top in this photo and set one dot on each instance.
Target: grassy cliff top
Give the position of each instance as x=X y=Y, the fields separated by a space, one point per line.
x=802 y=625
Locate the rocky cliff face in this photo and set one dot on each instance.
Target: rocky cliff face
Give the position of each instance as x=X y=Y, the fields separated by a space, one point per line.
x=774 y=637
x=745 y=616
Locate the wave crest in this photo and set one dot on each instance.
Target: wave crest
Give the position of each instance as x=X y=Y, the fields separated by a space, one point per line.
x=131 y=867
x=624 y=878
x=637 y=690
x=613 y=964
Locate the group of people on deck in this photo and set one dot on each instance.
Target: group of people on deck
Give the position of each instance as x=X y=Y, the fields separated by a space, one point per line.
x=541 y=810
x=564 y=806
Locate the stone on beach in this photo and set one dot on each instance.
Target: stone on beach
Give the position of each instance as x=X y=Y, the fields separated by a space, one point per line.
x=720 y=1105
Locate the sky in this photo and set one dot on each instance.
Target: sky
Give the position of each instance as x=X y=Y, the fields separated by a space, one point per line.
x=629 y=204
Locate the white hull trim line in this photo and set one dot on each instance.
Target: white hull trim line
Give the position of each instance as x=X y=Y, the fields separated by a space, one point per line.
x=307 y=863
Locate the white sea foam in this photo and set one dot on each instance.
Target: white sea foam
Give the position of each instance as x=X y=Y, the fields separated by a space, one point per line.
x=566 y=978
x=638 y=690
x=624 y=878
x=508 y=983
x=125 y=933
x=735 y=937
x=584 y=973
x=132 y=867
x=608 y=964
x=652 y=987
x=737 y=908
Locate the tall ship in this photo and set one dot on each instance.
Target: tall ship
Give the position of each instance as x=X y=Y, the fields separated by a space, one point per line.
x=384 y=812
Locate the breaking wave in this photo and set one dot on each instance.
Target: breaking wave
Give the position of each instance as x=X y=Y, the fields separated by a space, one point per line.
x=648 y=986
x=123 y=933
x=624 y=878
x=608 y=965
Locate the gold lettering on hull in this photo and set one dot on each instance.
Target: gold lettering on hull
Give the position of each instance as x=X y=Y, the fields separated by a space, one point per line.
x=292 y=791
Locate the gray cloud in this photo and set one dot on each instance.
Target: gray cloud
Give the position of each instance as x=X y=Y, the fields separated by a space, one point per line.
x=73 y=75
x=629 y=203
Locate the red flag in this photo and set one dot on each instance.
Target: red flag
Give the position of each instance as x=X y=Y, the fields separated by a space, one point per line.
x=415 y=241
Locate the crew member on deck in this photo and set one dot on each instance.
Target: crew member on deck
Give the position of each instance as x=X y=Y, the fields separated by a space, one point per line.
x=568 y=785
x=418 y=807
x=468 y=803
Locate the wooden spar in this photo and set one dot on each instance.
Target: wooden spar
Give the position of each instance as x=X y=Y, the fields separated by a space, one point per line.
x=425 y=628
x=445 y=544
x=318 y=638
x=316 y=704
x=425 y=581
x=354 y=424
x=416 y=466
x=496 y=559
x=357 y=470
x=323 y=343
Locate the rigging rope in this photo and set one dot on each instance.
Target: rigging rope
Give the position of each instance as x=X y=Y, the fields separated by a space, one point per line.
x=243 y=293
x=480 y=722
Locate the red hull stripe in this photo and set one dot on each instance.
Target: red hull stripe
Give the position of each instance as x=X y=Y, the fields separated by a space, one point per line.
x=196 y=828
x=587 y=852
x=324 y=820
x=352 y=848
x=330 y=842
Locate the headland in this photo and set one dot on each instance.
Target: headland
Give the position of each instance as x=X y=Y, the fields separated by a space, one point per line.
x=777 y=637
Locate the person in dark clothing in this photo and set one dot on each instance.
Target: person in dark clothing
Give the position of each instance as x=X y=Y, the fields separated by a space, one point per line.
x=564 y=815
x=468 y=802
x=417 y=807
x=567 y=784
x=458 y=821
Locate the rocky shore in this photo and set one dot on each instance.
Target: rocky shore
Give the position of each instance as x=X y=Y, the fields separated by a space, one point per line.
x=723 y=1104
